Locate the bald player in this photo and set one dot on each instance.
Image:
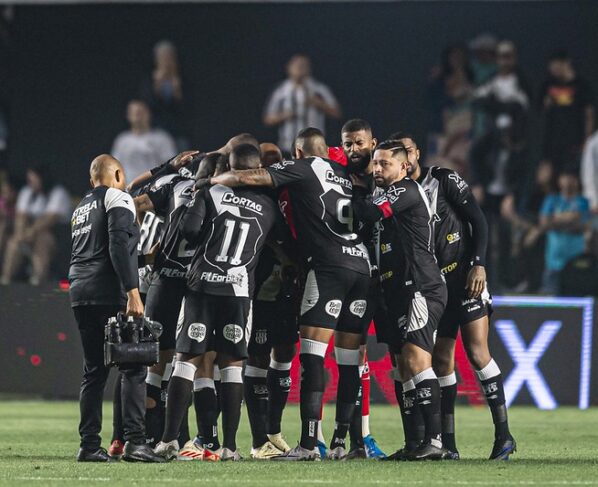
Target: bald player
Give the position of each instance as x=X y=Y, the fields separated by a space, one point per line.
x=104 y=281
x=270 y=153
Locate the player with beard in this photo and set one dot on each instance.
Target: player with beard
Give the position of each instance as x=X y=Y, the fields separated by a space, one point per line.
x=334 y=300
x=274 y=334
x=461 y=243
x=358 y=144
x=413 y=288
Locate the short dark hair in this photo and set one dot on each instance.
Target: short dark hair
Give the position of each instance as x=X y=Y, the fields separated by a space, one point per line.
x=393 y=146
x=309 y=133
x=355 y=125
x=246 y=156
x=313 y=142
x=401 y=135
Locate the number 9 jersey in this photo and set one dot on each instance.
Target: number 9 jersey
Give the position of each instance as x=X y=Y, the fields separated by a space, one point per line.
x=230 y=226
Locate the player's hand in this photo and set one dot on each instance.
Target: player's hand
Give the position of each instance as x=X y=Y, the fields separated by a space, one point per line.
x=357 y=181
x=134 y=304
x=184 y=158
x=201 y=183
x=476 y=281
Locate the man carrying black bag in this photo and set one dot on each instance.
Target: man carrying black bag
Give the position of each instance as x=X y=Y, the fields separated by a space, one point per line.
x=103 y=280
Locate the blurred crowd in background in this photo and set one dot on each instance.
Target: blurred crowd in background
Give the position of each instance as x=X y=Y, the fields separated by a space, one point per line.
x=528 y=148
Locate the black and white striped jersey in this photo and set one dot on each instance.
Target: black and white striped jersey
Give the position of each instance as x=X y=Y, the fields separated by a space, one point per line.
x=230 y=227
x=104 y=248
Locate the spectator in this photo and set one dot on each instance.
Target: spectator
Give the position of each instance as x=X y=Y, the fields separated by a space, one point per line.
x=589 y=171
x=567 y=111
x=43 y=210
x=564 y=217
x=483 y=64
x=299 y=102
x=449 y=95
x=8 y=198
x=163 y=92
x=142 y=148
x=506 y=94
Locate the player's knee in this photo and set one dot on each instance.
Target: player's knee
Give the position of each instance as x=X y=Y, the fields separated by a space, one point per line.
x=442 y=364
x=283 y=353
x=478 y=355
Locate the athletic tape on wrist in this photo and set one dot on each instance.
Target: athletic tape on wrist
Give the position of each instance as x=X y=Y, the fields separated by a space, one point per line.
x=491 y=370
x=232 y=374
x=345 y=356
x=185 y=370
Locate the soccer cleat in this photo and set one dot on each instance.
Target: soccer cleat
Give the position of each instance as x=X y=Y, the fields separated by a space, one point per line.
x=338 y=453
x=266 y=451
x=279 y=442
x=168 y=451
x=503 y=448
x=451 y=455
x=398 y=456
x=97 y=455
x=191 y=451
x=228 y=455
x=356 y=454
x=427 y=451
x=211 y=455
x=141 y=453
x=299 y=454
x=322 y=448
x=372 y=449
x=116 y=449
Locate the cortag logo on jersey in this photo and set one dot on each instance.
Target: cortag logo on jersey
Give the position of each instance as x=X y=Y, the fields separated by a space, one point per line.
x=233 y=333
x=335 y=179
x=333 y=307
x=261 y=336
x=451 y=238
x=234 y=200
x=461 y=184
x=358 y=307
x=393 y=193
x=197 y=332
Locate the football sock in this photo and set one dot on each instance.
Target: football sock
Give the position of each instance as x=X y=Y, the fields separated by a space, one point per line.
x=179 y=392
x=492 y=384
x=256 y=398
x=312 y=389
x=448 y=396
x=428 y=399
x=206 y=412
x=348 y=389
x=232 y=397
x=279 y=385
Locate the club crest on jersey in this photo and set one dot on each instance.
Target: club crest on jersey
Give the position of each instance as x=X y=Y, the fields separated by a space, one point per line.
x=261 y=336
x=333 y=307
x=453 y=237
x=197 y=332
x=358 y=307
x=333 y=178
x=233 y=333
x=459 y=181
x=385 y=248
x=394 y=192
x=232 y=199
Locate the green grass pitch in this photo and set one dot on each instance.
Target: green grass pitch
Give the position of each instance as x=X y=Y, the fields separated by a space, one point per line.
x=38 y=443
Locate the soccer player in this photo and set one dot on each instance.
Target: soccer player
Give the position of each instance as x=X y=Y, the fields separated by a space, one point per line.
x=460 y=244
x=274 y=334
x=230 y=228
x=334 y=300
x=417 y=296
x=358 y=144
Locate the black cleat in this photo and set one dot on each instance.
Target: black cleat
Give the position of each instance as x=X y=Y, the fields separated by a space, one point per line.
x=98 y=455
x=357 y=453
x=451 y=455
x=141 y=453
x=503 y=447
x=427 y=451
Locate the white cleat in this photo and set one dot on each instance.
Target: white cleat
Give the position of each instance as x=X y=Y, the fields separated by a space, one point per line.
x=299 y=454
x=279 y=442
x=338 y=453
x=191 y=451
x=265 y=452
x=168 y=450
x=230 y=456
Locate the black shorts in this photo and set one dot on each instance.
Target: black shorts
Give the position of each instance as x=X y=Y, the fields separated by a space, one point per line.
x=220 y=323
x=461 y=309
x=335 y=298
x=163 y=304
x=274 y=323
x=411 y=317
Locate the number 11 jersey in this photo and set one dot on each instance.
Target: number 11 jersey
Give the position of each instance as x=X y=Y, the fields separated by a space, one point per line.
x=320 y=193
x=231 y=226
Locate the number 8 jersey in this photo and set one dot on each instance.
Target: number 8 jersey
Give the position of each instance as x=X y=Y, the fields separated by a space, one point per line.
x=231 y=226
x=320 y=193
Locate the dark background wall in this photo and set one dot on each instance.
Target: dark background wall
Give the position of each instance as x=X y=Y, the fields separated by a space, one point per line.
x=72 y=68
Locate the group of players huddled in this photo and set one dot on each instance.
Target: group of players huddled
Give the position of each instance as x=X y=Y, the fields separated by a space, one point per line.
x=253 y=253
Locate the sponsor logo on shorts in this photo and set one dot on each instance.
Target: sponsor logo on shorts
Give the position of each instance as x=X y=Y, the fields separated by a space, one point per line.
x=451 y=238
x=261 y=336
x=233 y=333
x=358 y=307
x=449 y=268
x=197 y=332
x=333 y=307
x=385 y=248
x=475 y=307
